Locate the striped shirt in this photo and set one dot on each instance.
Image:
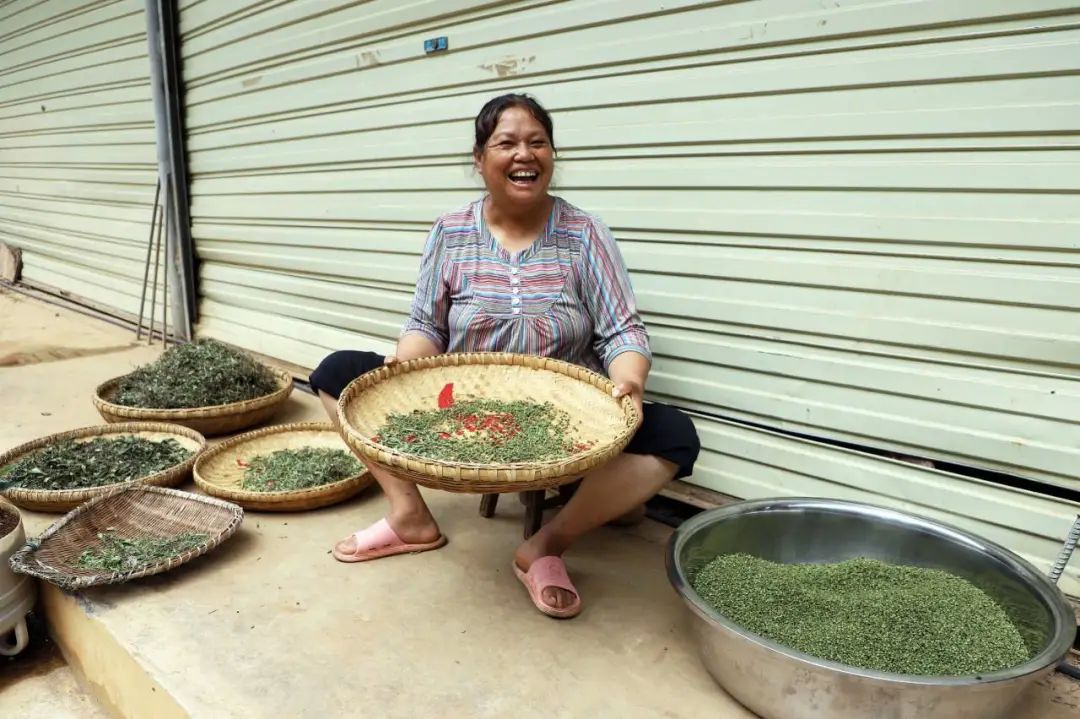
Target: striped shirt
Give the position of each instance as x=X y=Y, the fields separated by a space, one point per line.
x=567 y=296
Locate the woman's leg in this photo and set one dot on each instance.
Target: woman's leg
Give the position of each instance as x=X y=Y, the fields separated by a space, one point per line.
x=611 y=491
x=668 y=446
x=409 y=515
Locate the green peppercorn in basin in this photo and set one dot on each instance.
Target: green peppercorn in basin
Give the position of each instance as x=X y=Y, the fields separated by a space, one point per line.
x=779 y=682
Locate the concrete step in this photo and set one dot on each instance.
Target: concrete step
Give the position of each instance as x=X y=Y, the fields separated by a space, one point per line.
x=269 y=625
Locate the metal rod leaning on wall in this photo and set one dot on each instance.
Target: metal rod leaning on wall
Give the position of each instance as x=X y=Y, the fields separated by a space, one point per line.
x=157 y=264
x=165 y=286
x=165 y=84
x=146 y=267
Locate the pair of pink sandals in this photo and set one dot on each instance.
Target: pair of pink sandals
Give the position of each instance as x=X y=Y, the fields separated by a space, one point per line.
x=380 y=540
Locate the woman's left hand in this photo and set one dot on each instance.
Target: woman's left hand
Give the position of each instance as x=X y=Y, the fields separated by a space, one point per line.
x=635 y=391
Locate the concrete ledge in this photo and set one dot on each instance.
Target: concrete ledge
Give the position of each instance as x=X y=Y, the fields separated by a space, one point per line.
x=107 y=669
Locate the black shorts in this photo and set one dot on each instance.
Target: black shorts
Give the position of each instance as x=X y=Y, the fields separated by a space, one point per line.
x=665 y=432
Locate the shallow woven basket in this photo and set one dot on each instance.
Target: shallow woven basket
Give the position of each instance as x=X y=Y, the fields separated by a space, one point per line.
x=407 y=386
x=215 y=420
x=219 y=472
x=63 y=500
x=130 y=511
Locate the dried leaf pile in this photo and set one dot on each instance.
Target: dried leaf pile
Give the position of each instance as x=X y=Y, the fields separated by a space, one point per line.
x=200 y=374
x=121 y=554
x=292 y=469
x=483 y=431
x=103 y=460
x=8 y=521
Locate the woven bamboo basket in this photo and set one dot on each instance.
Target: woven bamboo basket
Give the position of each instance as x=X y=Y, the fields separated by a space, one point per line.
x=63 y=500
x=131 y=511
x=210 y=421
x=404 y=387
x=220 y=470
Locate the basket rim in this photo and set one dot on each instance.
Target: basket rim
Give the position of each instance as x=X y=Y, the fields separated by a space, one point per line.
x=286 y=495
x=283 y=378
x=25 y=560
x=438 y=468
x=58 y=496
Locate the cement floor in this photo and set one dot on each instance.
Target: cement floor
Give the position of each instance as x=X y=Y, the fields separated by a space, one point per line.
x=269 y=625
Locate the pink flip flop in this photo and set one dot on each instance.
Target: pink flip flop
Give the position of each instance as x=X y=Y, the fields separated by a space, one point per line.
x=380 y=540
x=544 y=573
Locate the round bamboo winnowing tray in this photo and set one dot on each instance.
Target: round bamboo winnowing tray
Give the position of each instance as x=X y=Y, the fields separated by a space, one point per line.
x=595 y=417
x=131 y=511
x=210 y=421
x=63 y=500
x=219 y=470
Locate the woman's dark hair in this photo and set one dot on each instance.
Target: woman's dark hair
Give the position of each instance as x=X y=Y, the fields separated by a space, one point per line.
x=493 y=110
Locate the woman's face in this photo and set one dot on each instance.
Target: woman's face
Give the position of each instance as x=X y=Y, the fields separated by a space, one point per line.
x=518 y=160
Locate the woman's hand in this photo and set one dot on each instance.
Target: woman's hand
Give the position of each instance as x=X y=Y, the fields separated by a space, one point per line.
x=629 y=371
x=635 y=391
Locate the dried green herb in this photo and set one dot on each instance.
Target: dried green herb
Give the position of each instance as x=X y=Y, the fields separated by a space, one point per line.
x=289 y=469
x=8 y=521
x=117 y=554
x=866 y=613
x=483 y=431
x=103 y=460
x=200 y=374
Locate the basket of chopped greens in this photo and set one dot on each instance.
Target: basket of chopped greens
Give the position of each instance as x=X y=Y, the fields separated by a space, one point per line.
x=205 y=385
x=59 y=472
x=486 y=422
x=133 y=531
x=284 y=468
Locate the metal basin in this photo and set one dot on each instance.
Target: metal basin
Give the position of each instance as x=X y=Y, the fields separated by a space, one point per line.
x=780 y=683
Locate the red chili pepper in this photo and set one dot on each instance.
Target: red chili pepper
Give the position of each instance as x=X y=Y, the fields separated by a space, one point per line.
x=410 y=438
x=446 y=396
x=470 y=422
x=376 y=439
x=241 y=463
x=444 y=435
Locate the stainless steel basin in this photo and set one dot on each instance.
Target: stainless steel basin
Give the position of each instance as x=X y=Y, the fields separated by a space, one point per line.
x=780 y=683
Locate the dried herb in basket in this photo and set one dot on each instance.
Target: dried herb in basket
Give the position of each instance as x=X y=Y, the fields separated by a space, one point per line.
x=71 y=464
x=866 y=613
x=122 y=554
x=482 y=431
x=8 y=521
x=200 y=374
x=292 y=469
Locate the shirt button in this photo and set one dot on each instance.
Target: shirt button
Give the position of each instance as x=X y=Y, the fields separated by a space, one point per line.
x=513 y=270
x=515 y=290
x=517 y=310
x=514 y=280
x=516 y=301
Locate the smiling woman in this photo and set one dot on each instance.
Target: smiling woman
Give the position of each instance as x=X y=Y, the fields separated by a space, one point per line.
x=520 y=270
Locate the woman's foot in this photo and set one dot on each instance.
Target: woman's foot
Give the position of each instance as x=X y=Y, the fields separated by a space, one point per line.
x=394 y=535
x=556 y=598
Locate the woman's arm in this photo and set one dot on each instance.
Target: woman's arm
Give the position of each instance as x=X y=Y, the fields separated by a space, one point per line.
x=629 y=371
x=413 y=346
x=427 y=330
x=609 y=298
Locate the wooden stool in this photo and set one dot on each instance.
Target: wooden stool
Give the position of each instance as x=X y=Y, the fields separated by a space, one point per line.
x=535 y=503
